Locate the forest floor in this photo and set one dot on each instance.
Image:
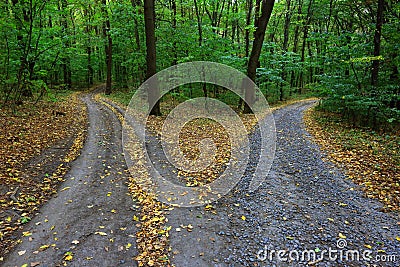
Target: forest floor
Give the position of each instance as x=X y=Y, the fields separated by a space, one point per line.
x=305 y=204
x=38 y=143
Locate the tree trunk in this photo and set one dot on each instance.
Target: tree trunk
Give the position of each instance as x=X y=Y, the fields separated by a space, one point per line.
x=294 y=76
x=107 y=47
x=66 y=65
x=174 y=44
x=136 y=3
x=149 y=23
x=285 y=45
x=262 y=21
x=199 y=28
x=249 y=5
x=303 y=48
x=377 y=43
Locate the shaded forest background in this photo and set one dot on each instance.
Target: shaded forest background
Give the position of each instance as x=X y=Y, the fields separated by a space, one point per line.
x=345 y=51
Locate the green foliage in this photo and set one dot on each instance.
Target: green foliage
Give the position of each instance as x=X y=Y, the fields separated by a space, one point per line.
x=329 y=50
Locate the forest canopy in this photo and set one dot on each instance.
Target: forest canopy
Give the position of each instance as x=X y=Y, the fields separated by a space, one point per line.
x=345 y=51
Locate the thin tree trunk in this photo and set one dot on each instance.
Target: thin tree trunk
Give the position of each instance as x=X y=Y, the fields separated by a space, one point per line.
x=136 y=3
x=249 y=5
x=294 y=75
x=89 y=80
x=199 y=28
x=262 y=21
x=107 y=47
x=174 y=44
x=285 y=45
x=303 y=48
x=149 y=23
x=66 y=65
x=377 y=43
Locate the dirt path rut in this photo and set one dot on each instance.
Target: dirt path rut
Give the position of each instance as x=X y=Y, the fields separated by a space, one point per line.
x=90 y=219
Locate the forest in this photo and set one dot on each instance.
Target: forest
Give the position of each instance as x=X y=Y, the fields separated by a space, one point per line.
x=344 y=51
x=77 y=180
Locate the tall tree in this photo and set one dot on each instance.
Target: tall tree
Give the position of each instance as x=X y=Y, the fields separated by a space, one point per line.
x=107 y=46
x=306 y=27
x=377 y=43
x=153 y=90
x=261 y=22
x=285 y=45
x=66 y=63
x=249 y=8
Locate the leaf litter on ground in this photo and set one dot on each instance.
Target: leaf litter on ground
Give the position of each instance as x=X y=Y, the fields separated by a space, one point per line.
x=24 y=135
x=370 y=159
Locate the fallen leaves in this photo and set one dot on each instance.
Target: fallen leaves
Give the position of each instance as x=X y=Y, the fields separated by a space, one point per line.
x=44 y=247
x=370 y=159
x=68 y=256
x=100 y=233
x=24 y=135
x=342 y=236
x=152 y=237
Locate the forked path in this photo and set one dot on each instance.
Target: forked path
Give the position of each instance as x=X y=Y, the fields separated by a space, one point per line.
x=304 y=205
x=90 y=219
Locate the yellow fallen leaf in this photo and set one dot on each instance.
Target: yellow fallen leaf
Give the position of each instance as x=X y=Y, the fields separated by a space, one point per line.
x=26 y=233
x=128 y=246
x=208 y=207
x=135 y=218
x=68 y=257
x=100 y=233
x=243 y=217
x=368 y=246
x=44 y=247
x=342 y=236
x=398 y=238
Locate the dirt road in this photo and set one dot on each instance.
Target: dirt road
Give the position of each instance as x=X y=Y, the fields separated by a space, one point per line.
x=304 y=205
x=89 y=222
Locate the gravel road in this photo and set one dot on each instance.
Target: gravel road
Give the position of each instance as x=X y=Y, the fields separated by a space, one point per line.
x=305 y=206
